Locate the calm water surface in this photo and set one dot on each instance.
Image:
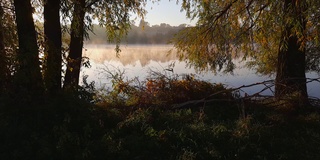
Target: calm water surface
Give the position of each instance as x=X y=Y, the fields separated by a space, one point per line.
x=138 y=60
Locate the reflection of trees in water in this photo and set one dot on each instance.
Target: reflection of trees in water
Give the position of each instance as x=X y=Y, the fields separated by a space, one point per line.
x=149 y=56
x=129 y=55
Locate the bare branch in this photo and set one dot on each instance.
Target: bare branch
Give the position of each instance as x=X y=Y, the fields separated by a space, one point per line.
x=269 y=84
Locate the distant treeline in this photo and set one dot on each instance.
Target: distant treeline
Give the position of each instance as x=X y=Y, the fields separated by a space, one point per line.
x=142 y=34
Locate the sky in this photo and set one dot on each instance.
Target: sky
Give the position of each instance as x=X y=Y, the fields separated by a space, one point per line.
x=165 y=11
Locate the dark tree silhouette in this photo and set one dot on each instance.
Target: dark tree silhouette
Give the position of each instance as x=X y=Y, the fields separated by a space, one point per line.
x=28 y=79
x=52 y=32
x=3 y=57
x=76 y=44
x=291 y=77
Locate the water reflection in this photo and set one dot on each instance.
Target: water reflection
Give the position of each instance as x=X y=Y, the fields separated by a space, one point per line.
x=138 y=60
x=130 y=55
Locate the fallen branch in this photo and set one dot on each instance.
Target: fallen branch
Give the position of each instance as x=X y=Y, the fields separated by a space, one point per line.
x=268 y=86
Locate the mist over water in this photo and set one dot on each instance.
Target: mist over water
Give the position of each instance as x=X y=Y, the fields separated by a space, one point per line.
x=139 y=60
x=130 y=55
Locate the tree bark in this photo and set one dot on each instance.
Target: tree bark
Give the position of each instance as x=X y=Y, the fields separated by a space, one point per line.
x=52 y=31
x=76 y=45
x=291 y=77
x=3 y=57
x=28 y=79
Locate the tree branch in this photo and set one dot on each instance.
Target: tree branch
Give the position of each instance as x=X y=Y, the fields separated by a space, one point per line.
x=196 y=103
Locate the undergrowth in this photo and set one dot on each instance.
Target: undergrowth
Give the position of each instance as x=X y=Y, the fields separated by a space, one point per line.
x=137 y=121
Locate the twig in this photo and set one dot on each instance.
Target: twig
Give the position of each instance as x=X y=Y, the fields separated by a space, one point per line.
x=313 y=100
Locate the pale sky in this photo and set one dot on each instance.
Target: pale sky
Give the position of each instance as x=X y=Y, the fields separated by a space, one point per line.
x=166 y=11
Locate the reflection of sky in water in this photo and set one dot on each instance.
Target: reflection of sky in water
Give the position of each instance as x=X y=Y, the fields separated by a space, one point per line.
x=138 y=60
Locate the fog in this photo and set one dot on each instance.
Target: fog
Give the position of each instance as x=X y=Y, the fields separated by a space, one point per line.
x=138 y=60
x=131 y=54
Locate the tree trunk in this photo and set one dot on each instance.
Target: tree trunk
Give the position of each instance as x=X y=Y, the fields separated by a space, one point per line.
x=291 y=77
x=52 y=31
x=76 y=44
x=3 y=57
x=28 y=79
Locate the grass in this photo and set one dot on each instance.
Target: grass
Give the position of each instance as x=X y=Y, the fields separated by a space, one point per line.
x=127 y=124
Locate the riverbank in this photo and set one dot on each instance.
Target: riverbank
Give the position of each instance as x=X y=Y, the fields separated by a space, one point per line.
x=140 y=123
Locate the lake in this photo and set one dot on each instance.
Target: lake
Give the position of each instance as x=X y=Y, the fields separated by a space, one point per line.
x=138 y=60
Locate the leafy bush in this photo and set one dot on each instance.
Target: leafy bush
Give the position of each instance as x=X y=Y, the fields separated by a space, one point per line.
x=160 y=90
x=137 y=122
